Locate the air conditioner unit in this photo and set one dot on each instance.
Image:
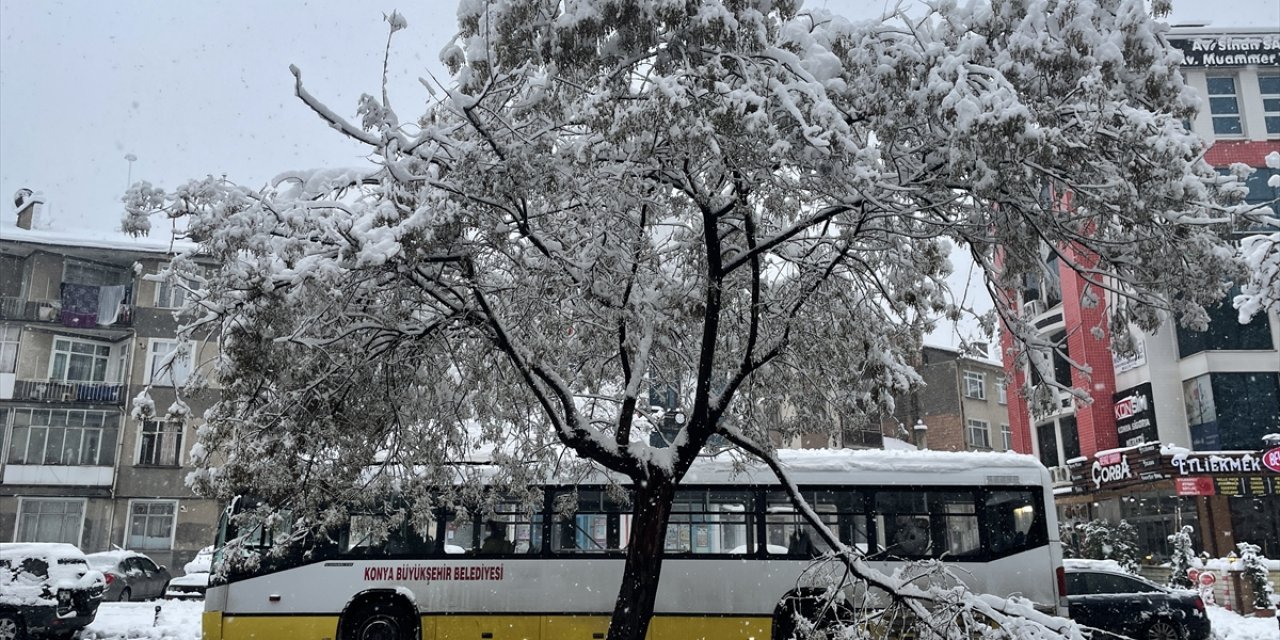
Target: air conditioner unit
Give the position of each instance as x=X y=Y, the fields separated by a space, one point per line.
x=1032 y=308
x=1061 y=475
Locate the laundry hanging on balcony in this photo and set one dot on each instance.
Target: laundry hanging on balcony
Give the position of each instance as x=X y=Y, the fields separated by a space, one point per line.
x=111 y=303
x=87 y=305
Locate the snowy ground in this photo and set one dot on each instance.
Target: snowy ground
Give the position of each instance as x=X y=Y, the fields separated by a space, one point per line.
x=1229 y=625
x=180 y=620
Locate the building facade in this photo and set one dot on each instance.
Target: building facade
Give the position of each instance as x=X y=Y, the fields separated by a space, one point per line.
x=1141 y=450
x=82 y=332
x=964 y=405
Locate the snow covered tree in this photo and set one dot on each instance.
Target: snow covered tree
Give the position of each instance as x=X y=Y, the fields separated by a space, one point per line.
x=1182 y=559
x=744 y=200
x=1102 y=541
x=1254 y=571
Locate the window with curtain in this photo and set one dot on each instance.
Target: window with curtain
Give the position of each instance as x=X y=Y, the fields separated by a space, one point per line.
x=50 y=520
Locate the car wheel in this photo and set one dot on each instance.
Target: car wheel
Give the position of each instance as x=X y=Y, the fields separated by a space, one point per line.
x=124 y=595
x=10 y=627
x=1164 y=630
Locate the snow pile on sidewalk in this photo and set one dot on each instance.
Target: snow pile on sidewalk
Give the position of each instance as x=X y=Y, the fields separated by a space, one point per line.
x=179 y=620
x=1229 y=625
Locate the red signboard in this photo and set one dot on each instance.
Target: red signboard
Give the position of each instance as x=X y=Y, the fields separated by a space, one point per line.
x=1198 y=486
x=1271 y=459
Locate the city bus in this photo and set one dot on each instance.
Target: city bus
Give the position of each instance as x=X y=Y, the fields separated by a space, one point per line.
x=736 y=551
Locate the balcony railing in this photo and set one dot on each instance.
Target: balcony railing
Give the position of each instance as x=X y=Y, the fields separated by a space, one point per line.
x=73 y=392
x=12 y=308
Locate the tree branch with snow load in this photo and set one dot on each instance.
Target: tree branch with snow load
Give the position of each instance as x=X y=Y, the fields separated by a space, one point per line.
x=747 y=201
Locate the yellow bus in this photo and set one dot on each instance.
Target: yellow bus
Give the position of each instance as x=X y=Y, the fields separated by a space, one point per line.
x=736 y=551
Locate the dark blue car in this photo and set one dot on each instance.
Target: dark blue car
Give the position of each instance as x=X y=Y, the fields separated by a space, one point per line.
x=1123 y=605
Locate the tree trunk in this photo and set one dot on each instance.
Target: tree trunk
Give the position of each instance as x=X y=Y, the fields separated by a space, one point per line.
x=634 y=608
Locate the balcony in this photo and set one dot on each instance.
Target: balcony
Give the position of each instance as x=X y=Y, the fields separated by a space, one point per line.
x=12 y=308
x=59 y=475
x=69 y=392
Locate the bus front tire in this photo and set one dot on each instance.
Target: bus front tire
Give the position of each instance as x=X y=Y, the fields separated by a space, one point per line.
x=378 y=617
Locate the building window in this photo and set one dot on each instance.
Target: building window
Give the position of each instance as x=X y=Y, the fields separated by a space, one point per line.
x=975 y=385
x=1006 y=436
x=1224 y=107
x=94 y=274
x=1231 y=411
x=164 y=372
x=160 y=443
x=1047 y=442
x=172 y=291
x=50 y=520
x=1225 y=333
x=977 y=434
x=79 y=361
x=151 y=524
x=9 y=335
x=63 y=437
x=1269 y=87
x=1002 y=391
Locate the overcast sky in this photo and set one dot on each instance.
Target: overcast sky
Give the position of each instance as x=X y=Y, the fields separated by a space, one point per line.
x=198 y=88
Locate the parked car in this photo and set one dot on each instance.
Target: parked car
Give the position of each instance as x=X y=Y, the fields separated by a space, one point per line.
x=1123 y=605
x=195 y=579
x=46 y=589
x=130 y=575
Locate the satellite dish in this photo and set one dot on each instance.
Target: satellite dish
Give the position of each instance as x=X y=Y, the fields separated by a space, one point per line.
x=21 y=196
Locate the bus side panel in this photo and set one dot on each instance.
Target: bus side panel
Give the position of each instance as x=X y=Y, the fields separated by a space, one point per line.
x=708 y=628
x=575 y=627
x=258 y=627
x=499 y=627
x=211 y=625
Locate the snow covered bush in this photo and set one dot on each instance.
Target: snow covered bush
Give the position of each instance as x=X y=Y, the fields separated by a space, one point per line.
x=746 y=202
x=1254 y=571
x=1182 y=559
x=1100 y=540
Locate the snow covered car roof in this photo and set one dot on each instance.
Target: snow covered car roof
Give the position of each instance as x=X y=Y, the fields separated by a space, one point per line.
x=111 y=558
x=1084 y=564
x=44 y=550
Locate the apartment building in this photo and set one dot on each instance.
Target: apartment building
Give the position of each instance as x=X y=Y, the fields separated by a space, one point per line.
x=964 y=405
x=1174 y=433
x=82 y=331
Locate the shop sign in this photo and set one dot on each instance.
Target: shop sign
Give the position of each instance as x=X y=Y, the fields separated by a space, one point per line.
x=1228 y=51
x=1238 y=486
x=1110 y=468
x=1271 y=459
x=1189 y=464
x=1201 y=486
x=1135 y=416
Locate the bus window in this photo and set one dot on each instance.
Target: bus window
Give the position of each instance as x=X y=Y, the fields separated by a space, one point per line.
x=594 y=522
x=710 y=521
x=366 y=534
x=927 y=523
x=523 y=526
x=1012 y=522
x=958 y=516
x=902 y=523
x=460 y=533
x=790 y=534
